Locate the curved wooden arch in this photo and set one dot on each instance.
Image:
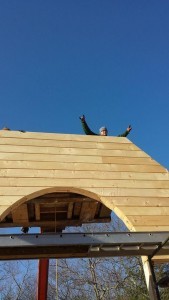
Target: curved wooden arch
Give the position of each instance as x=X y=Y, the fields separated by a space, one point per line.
x=108 y=169
x=46 y=191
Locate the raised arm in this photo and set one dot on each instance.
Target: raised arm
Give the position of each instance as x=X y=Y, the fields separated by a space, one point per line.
x=85 y=127
x=124 y=134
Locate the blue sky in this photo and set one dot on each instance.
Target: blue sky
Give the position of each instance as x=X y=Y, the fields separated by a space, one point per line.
x=106 y=59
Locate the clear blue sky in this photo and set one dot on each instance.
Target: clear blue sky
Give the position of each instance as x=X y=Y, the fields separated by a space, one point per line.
x=106 y=59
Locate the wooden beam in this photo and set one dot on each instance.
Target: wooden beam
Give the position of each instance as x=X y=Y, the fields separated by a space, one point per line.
x=70 y=210
x=150 y=279
x=20 y=214
x=43 y=165
x=37 y=212
x=88 y=211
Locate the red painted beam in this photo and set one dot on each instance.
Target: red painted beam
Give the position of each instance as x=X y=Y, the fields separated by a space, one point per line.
x=43 y=279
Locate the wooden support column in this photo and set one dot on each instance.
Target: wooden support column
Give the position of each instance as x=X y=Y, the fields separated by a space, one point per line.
x=150 y=278
x=43 y=279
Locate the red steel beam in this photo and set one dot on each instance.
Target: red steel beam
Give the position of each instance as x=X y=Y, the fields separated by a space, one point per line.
x=43 y=279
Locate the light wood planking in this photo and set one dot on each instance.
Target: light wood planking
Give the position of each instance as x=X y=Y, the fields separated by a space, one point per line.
x=78 y=166
x=145 y=211
x=62 y=137
x=114 y=192
x=138 y=201
x=162 y=259
x=68 y=144
x=108 y=192
x=71 y=151
x=84 y=183
x=156 y=220
x=151 y=228
x=9 y=200
x=77 y=158
x=110 y=169
x=49 y=157
x=3 y=208
x=85 y=174
x=128 y=160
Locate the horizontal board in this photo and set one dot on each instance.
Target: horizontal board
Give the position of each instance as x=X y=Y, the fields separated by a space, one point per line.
x=160 y=259
x=8 y=200
x=38 y=191
x=117 y=201
x=128 y=160
x=138 y=201
x=49 y=157
x=3 y=208
x=70 y=151
x=98 y=192
x=114 y=192
x=62 y=137
x=98 y=183
x=82 y=174
x=149 y=220
x=68 y=144
x=43 y=165
x=77 y=158
x=152 y=228
x=145 y=211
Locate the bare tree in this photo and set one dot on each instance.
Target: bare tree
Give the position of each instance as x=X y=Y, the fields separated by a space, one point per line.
x=116 y=278
x=17 y=280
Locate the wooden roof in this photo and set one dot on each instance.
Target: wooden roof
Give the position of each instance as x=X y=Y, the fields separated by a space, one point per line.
x=56 y=180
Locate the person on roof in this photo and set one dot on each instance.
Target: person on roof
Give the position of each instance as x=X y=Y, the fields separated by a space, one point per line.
x=103 y=130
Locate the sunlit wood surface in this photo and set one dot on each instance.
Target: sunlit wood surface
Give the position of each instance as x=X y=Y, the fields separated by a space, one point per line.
x=56 y=180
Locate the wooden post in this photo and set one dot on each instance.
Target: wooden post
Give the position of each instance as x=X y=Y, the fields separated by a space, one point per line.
x=150 y=278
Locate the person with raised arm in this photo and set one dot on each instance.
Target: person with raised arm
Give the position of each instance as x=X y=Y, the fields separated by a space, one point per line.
x=102 y=131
